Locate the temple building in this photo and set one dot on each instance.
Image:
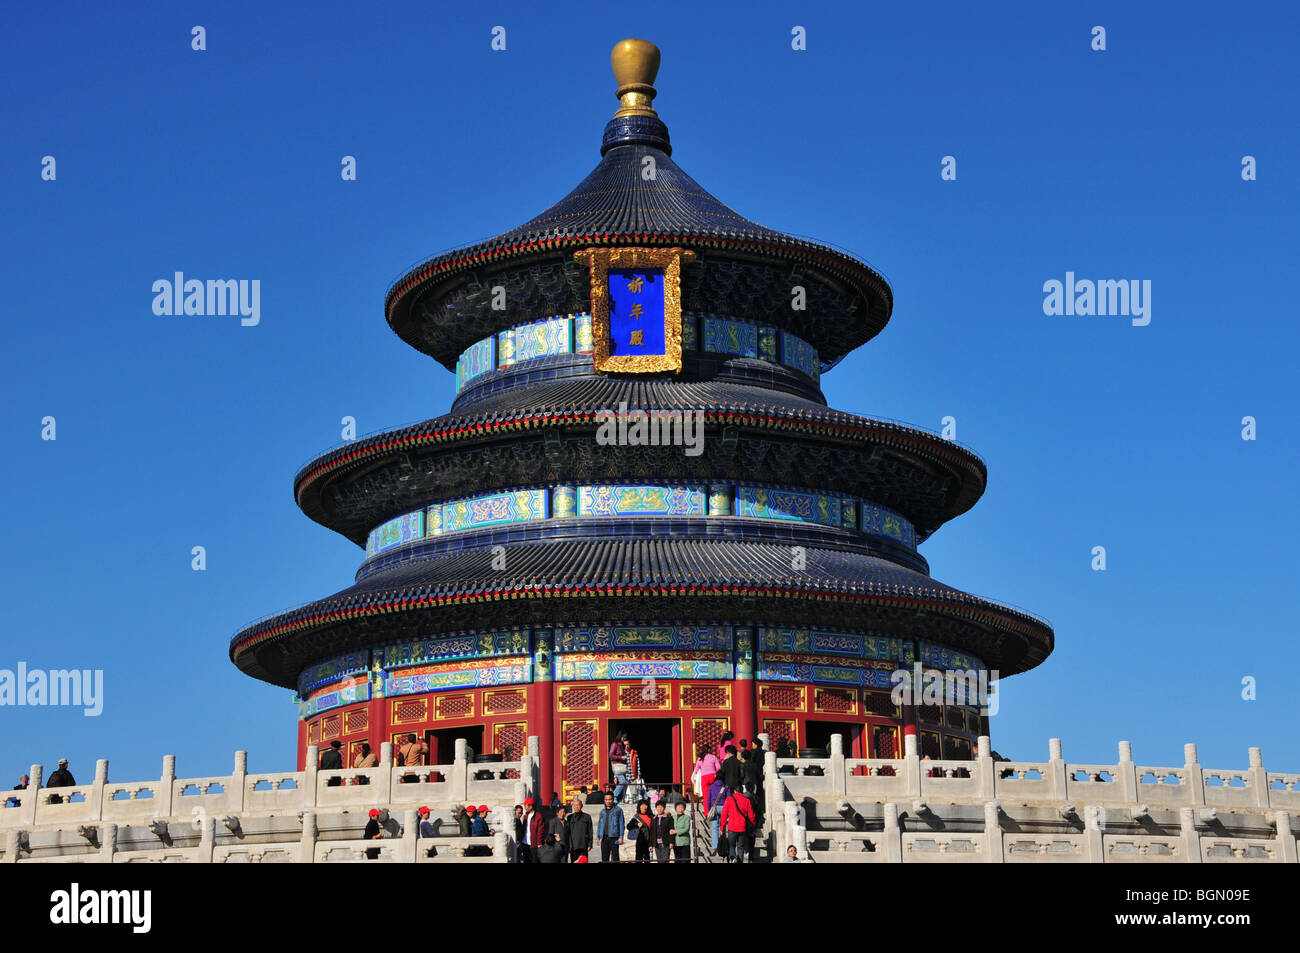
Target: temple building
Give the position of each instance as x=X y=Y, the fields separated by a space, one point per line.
x=748 y=563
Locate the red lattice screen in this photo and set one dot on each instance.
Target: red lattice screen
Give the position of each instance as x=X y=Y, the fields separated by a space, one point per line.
x=504 y=701
x=455 y=706
x=578 y=755
x=585 y=696
x=704 y=696
x=835 y=700
x=356 y=720
x=879 y=703
x=781 y=696
x=514 y=737
x=884 y=742
x=330 y=726
x=408 y=711
x=643 y=696
x=313 y=732
x=707 y=733
x=781 y=728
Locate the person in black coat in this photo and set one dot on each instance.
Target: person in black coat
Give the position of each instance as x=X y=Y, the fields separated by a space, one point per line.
x=373 y=832
x=332 y=760
x=732 y=771
x=552 y=851
x=580 y=831
x=60 y=778
x=558 y=827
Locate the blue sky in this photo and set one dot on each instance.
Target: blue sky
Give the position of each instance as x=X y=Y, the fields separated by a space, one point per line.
x=176 y=432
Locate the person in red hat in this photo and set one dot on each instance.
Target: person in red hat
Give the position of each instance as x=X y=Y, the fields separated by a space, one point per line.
x=466 y=820
x=373 y=832
x=534 y=832
x=426 y=830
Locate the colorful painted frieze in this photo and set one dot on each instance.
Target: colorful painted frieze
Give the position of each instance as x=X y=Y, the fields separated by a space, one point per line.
x=767 y=343
x=582 y=334
x=800 y=355
x=400 y=529
x=807 y=641
x=506 y=348
x=597 y=667
x=353 y=691
x=934 y=655
x=543 y=338
x=468 y=645
x=641 y=500
x=765 y=503
x=607 y=638
x=726 y=336
x=690 y=332
x=332 y=670
x=485 y=673
x=517 y=506
x=775 y=671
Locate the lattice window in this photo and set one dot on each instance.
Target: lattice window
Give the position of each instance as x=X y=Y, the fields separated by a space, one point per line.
x=578 y=754
x=781 y=696
x=930 y=746
x=644 y=696
x=779 y=729
x=707 y=733
x=313 y=732
x=973 y=722
x=582 y=697
x=455 y=706
x=956 y=717
x=836 y=700
x=956 y=749
x=705 y=696
x=409 y=710
x=356 y=720
x=504 y=701
x=930 y=714
x=879 y=703
x=884 y=742
x=330 y=727
x=514 y=737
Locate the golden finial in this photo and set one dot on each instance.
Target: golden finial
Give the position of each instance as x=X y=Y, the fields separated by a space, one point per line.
x=636 y=64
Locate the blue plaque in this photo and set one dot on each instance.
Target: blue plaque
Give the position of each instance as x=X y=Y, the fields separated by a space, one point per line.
x=636 y=312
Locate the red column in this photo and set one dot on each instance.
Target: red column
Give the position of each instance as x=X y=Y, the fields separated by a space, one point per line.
x=541 y=713
x=744 y=701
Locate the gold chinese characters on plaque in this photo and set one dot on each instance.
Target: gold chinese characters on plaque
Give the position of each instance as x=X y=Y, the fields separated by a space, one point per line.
x=636 y=308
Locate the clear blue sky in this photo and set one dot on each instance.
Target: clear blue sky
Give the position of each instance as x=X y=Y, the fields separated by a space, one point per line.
x=176 y=432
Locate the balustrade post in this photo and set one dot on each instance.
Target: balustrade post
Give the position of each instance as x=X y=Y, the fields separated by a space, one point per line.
x=309 y=777
x=166 y=788
x=107 y=843
x=1056 y=770
x=1094 y=848
x=1191 y=839
x=911 y=766
x=386 y=754
x=526 y=776
x=1127 y=773
x=1285 y=836
x=993 y=853
x=500 y=848
x=31 y=796
x=207 y=840
x=460 y=771
x=798 y=837
x=1259 y=777
x=96 y=797
x=406 y=850
x=893 y=835
x=11 y=847
x=235 y=791
x=307 y=843
x=985 y=786
x=772 y=788
x=838 y=767
x=1195 y=777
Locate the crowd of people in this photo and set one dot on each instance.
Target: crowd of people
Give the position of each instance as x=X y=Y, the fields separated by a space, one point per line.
x=61 y=777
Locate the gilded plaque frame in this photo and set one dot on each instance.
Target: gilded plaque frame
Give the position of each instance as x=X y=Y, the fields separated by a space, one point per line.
x=600 y=261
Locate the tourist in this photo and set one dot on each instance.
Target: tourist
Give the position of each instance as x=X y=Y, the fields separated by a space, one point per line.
x=618 y=763
x=465 y=820
x=930 y=773
x=410 y=755
x=519 y=824
x=662 y=832
x=365 y=759
x=555 y=800
x=672 y=798
x=640 y=827
x=681 y=834
x=60 y=778
x=579 y=833
x=717 y=791
x=609 y=830
x=21 y=785
x=792 y=856
x=732 y=771
x=534 y=829
x=478 y=827
x=704 y=771
x=757 y=765
x=426 y=832
x=596 y=796
x=727 y=736
x=559 y=828
x=332 y=760
x=373 y=832
x=552 y=851
x=738 y=822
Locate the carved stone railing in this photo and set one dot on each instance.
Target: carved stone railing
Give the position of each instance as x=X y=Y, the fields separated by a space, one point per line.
x=1097 y=797
x=269 y=794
